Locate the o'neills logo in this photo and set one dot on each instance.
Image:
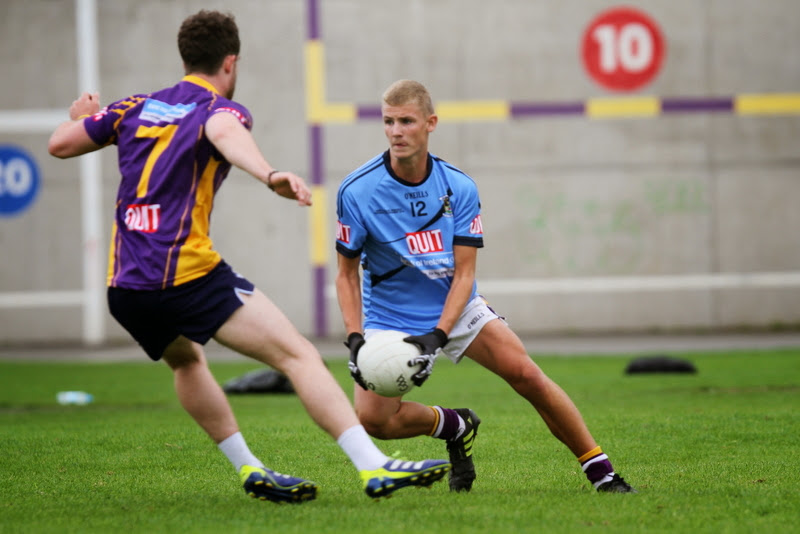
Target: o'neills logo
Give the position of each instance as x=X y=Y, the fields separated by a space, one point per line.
x=143 y=217
x=342 y=232
x=425 y=242
x=476 y=226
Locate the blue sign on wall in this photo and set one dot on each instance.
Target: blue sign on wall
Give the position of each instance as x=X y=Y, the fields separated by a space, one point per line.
x=19 y=180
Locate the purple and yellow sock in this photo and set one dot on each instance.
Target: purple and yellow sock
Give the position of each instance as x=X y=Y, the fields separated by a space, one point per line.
x=597 y=467
x=448 y=424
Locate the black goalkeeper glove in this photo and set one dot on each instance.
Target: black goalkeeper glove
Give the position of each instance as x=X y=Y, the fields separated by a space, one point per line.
x=430 y=345
x=354 y=342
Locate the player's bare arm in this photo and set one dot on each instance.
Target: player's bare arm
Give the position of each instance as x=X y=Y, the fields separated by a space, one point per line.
x=348 y=290
x=457 y=298
x=465 y=259
x=238 y=146
x=70 y=138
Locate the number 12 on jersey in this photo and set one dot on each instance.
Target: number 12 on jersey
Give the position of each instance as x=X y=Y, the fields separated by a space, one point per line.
x=418 y=209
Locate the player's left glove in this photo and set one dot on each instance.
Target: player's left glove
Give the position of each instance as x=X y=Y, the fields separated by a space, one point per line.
x=354 y=342
x=430 y=345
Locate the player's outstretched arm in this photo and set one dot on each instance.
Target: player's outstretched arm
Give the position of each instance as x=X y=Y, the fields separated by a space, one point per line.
x=70 y=138
x=461 y=287
x=238 y=146
x=348 y=292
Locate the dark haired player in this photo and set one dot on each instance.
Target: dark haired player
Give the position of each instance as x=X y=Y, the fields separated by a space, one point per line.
x=172 y=291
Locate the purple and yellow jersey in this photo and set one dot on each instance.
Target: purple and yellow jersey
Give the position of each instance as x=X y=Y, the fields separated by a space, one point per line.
x=170 y=174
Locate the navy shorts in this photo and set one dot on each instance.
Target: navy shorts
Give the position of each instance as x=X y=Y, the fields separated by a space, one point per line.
x=196 y=309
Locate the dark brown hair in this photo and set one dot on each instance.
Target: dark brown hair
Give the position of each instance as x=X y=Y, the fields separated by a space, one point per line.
x=205 y=39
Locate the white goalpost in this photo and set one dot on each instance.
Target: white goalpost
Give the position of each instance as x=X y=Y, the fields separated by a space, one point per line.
x=91 y=296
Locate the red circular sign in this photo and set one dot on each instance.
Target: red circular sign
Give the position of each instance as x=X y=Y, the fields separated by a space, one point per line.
x=622 y=49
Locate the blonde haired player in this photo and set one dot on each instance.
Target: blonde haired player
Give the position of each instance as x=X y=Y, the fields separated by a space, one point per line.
x=413 y=221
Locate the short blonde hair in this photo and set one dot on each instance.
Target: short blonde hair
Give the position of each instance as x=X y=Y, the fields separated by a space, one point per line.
x=403 y=92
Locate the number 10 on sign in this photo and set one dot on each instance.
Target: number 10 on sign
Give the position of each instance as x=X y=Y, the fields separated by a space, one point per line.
x=622 y=49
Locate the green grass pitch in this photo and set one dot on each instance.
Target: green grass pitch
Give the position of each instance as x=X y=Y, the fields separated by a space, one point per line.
x=711 y=452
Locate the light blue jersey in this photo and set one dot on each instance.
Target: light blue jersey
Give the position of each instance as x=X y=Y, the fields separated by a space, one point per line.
x=405 y=234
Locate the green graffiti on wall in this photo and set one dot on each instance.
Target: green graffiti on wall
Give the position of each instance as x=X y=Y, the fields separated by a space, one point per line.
x=620 y=229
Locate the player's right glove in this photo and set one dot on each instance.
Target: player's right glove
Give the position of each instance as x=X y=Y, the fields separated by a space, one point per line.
x=354 y=342
x=430 y=345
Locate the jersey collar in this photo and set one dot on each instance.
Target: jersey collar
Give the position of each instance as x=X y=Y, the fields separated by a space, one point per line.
x=199 y=81
x=387 y=162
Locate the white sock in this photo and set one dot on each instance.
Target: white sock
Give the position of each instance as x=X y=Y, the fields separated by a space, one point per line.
x=237 y=452
x=439 y=420
x=362 y=451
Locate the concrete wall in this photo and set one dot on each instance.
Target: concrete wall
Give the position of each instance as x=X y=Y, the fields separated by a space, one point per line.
x=562 y=196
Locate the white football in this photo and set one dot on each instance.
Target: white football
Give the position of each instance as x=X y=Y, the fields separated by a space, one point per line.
x=383 y=361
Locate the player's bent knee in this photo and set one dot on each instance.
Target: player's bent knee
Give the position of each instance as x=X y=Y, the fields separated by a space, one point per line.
x=527 y=378
x=183 y=364
x=377 y=431
x=300 y=362
x=376 y=428
x=182 y=356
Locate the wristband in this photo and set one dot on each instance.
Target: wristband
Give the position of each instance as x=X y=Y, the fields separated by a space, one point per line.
x=269 y=179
